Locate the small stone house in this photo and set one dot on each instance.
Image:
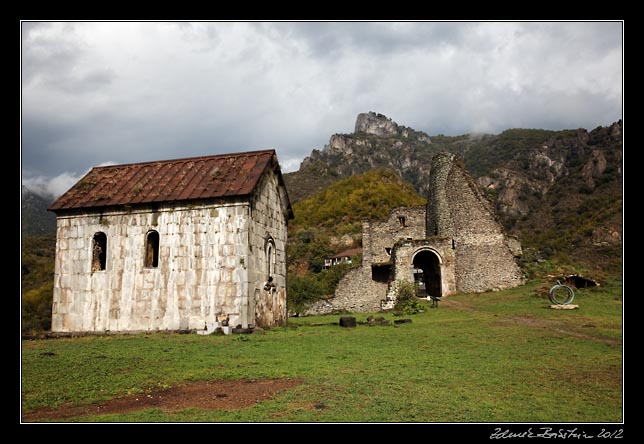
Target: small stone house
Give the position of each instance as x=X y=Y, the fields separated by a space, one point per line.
x=453 y=244
x=344 y=257
x=173 y=245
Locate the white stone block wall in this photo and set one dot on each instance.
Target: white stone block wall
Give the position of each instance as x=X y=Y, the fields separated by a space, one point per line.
x=212 y=265
x=201 y=272
x=268 y=223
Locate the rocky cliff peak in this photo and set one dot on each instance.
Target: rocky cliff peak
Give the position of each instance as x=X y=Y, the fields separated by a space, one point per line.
x=376 y=124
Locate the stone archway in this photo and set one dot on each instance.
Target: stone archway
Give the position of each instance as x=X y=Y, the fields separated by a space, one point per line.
x=427 y=272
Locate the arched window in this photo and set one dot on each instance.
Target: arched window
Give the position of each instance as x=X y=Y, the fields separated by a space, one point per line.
x=99 y=251
x=152 y=249
x=270 y=256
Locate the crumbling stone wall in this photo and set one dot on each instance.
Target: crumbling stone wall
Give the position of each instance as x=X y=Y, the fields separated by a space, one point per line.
x=356 y=292
x=403 y=262
x=458 y=226
x=378 y=236
x=439 y=218
x=484 y=259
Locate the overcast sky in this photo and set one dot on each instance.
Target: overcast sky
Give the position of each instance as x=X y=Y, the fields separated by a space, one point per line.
x=97 y=93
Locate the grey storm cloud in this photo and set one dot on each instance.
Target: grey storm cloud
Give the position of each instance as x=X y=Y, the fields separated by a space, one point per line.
x=101 y=92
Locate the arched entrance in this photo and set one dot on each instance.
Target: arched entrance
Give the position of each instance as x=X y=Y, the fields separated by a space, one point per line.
x=427 y=272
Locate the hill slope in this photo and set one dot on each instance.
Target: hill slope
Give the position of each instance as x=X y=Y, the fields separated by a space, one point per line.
x=559 y=191
x=377 y=143
x=350 y=200
x=330 y=221
x=34 y=217
x=38 y=245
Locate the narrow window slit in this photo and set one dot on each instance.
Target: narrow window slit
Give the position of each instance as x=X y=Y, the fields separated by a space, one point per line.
x=152 y=249
x=99 y=251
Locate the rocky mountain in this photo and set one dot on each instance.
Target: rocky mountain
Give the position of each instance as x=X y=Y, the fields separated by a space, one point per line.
x=34 y=217
x=377 y=143
x=559 y=191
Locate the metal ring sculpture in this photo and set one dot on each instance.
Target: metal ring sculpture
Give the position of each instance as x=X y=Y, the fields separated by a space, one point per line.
x=561 y=294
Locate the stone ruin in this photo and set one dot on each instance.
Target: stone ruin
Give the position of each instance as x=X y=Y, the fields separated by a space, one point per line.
x=453 y=244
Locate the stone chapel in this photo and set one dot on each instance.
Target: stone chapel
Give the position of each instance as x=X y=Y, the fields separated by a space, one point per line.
x=173 y=245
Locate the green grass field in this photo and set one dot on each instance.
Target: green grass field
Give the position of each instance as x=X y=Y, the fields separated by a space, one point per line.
x=493 y=357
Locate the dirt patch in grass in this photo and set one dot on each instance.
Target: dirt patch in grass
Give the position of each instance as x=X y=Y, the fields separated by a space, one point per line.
x=560 y=328
x=538 y=322
x=206 y=395
x=455 y=303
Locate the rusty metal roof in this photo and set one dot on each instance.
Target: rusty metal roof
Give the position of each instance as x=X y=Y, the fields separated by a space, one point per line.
x=347 y=253
x=207 y=177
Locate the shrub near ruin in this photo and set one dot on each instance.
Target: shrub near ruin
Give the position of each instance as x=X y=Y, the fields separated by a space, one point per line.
x=406 y=300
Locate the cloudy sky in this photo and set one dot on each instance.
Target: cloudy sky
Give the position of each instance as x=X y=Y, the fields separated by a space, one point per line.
x=96 y=93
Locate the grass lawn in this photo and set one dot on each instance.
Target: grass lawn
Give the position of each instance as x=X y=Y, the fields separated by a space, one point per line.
x=492 y=357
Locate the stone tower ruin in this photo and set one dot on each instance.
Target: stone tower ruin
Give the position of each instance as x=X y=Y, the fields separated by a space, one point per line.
x=484 y=255
x=454 y=244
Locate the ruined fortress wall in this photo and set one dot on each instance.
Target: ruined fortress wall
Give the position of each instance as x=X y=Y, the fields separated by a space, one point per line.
x=458 y=225
x=438 y=217
x=483 y=260
x=441 y=247
x=403 y=223
x=356 y=292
